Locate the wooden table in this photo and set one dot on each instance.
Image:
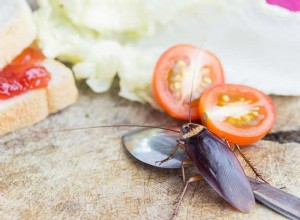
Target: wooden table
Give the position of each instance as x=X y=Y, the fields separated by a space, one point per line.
x=88 y=174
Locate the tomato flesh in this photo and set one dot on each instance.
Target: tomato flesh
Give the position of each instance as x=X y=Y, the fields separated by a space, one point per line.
x=177 y=71
x=241 y=114
x=23 y=74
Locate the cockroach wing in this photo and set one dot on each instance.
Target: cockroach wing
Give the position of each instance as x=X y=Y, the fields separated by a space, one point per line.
x=219 y=166
x=151 y=145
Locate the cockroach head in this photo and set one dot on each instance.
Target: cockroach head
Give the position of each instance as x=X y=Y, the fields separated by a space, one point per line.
x=189 y=130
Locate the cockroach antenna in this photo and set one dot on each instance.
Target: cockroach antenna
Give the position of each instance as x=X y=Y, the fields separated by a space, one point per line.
x=115 y=126
x=195 y=70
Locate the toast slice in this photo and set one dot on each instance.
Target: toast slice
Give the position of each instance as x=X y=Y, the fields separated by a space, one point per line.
x=17 y=29
x=61 y=90
x=35 y=105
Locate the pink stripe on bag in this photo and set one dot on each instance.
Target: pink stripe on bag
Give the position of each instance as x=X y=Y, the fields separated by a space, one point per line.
x=292 y=5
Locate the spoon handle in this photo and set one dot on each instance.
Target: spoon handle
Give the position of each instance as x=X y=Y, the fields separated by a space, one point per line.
x=276 y=199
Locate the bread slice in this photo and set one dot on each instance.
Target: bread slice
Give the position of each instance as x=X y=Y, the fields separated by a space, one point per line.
x=17 y=29
x=23 y=110
x=35 y=105
x=61 y=90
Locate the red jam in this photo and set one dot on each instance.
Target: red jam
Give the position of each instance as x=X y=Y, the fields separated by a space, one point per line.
x=23 y=73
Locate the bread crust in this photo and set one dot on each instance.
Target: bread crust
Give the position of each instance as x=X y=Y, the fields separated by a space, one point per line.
x=61 y=91
x=23 y=110
x=35 y=105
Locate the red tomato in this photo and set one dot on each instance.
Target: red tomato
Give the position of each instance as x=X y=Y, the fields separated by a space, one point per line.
x=239 y=113
x=175 y=72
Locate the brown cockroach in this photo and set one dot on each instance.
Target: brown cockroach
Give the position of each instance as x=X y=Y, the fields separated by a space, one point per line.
x=214 y=159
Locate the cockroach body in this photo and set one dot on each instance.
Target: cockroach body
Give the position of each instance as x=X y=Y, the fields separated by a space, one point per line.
x=218 y=165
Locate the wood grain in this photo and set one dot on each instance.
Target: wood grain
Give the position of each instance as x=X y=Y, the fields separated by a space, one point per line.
x=88 y=174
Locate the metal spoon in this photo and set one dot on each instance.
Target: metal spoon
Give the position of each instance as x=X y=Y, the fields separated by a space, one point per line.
x=151 y=145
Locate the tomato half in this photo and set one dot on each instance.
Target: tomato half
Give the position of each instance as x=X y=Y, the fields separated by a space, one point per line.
x=175 y=72
x=239 y=113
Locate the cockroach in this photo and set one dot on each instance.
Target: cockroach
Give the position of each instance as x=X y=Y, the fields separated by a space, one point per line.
x=217 y=164
x=214 y=159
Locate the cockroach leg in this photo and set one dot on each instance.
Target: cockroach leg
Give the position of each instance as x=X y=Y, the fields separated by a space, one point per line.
x=248 y=161
x=195 y=178
x=231 y=147
x=179 y=144
x=185 y=164
x=169 y=157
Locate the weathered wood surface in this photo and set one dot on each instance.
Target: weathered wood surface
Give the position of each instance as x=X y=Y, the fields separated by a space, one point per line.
x=88 y=174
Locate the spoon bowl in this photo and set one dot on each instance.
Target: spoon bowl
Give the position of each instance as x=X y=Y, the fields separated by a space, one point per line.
x=153 y=145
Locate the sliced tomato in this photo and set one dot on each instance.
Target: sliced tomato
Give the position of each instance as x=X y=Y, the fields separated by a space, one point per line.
x=241 y=114
x=177 y=71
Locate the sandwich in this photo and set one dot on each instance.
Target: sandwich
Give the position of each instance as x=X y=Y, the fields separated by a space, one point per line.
x=31 y=86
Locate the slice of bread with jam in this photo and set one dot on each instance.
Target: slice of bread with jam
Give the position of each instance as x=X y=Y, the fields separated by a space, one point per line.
x=26 y=95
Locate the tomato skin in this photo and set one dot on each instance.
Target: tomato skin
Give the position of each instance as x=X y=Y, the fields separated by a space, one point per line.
x=160 y=82
x=240 y=136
